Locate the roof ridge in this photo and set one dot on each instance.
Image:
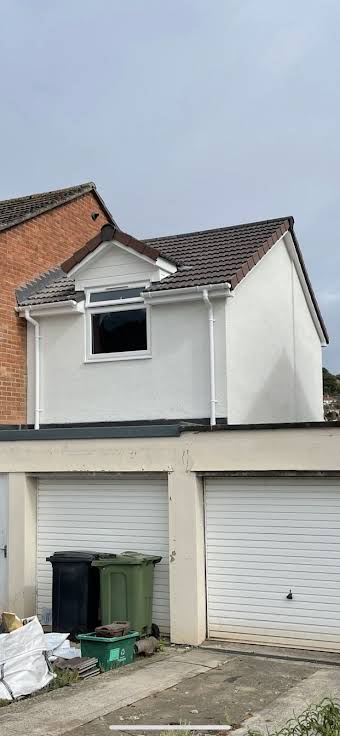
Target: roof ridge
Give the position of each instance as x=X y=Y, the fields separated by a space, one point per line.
x=221 y=229
x=89 y=185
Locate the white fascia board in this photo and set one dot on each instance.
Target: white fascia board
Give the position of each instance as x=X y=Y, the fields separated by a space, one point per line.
x=289 y=243
x=53 y=308
x=160 y=262
x=186 y=294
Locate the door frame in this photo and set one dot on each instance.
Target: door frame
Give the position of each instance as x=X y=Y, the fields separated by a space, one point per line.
x=4 y=519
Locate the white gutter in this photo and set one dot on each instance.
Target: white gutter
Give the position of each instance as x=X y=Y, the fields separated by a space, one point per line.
x=66 y=306
x=186 y=293
x=211 y=357
x=36 y=367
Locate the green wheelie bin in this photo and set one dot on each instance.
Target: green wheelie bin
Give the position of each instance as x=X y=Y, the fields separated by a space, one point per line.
x=126 y=588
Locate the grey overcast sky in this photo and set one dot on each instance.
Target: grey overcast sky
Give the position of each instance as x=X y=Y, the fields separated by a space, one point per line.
x=188 y=114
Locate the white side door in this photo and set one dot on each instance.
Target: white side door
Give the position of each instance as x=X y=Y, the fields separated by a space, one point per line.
x=3 y=541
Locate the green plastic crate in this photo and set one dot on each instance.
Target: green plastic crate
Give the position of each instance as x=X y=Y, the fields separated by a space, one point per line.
x=111 y=653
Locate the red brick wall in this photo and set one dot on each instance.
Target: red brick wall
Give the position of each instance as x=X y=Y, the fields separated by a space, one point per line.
x=26 y=251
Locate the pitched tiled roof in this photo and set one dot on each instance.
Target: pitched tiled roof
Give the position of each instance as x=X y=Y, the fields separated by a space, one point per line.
x=52 y=286
x=217 y=256
x=15 y=211
x=206 y=257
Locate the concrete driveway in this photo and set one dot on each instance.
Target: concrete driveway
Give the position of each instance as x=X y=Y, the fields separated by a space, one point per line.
x=194 y=686
x=235 y=689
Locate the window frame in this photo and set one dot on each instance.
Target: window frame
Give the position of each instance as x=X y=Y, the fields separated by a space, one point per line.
x=114 y=302
x=123 y=305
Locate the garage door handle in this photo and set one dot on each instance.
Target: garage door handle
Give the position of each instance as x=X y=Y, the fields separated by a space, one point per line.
x=290 y=596
x=4 y=550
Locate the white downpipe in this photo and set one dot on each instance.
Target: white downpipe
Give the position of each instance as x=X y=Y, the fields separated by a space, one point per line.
x=211 y=357
x=36 y=367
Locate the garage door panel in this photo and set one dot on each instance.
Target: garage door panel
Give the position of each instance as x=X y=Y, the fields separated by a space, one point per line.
x=282 y=628
x=281 y=641
x=297 y=639
x=253 y=600
x=105 y=515
x=271 y=536
x=286 y=568
x=263 y=538
x=332 y=544
x=317 y=617
x=289 y=553
x=294 y=522
x=270 y=592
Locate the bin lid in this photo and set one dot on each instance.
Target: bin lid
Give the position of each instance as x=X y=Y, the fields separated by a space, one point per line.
x=73 y=556
x=126 y=558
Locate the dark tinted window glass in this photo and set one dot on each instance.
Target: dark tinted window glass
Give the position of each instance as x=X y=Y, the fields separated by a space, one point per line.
x=119 y=332
x=111 y=295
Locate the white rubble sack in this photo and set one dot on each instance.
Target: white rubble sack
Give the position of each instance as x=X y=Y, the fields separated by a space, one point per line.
x=58 y=645
x=24 y=666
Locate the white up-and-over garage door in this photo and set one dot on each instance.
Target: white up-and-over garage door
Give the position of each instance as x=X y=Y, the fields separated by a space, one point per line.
x=266 y=540
x=104 y=515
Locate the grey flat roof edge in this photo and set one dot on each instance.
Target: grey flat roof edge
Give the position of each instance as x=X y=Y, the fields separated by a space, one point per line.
x=89 y=433
x=271 y=425
x=114 y=431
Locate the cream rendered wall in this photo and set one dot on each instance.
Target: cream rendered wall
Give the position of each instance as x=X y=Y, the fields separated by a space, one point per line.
x=172 y=384
x=273 y=350
x=22 y=544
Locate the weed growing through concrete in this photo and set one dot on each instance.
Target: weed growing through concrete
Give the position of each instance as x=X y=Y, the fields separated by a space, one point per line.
x=63 y=678
x=317 y=720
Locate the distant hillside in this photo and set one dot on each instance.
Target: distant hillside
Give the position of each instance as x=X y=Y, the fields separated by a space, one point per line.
x=331 y=383
x=331 y=396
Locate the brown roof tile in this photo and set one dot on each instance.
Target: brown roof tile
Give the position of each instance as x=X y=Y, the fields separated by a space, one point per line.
x=15 y=211
x=215 y=256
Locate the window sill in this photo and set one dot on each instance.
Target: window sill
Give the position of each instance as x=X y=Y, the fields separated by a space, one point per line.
x=116 y=358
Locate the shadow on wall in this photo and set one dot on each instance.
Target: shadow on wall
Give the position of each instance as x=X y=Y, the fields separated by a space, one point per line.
x=278 y=400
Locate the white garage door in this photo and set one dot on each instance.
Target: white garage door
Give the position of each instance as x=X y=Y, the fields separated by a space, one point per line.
x=105 y=515
x=263 y=540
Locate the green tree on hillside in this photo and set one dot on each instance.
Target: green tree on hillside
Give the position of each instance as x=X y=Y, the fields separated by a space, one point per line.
x=331 y=383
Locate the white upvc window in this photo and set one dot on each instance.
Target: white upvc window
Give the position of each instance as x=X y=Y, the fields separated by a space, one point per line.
x=117 y=324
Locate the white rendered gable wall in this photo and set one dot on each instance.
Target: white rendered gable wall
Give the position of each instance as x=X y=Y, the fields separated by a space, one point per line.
x=274 y=359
